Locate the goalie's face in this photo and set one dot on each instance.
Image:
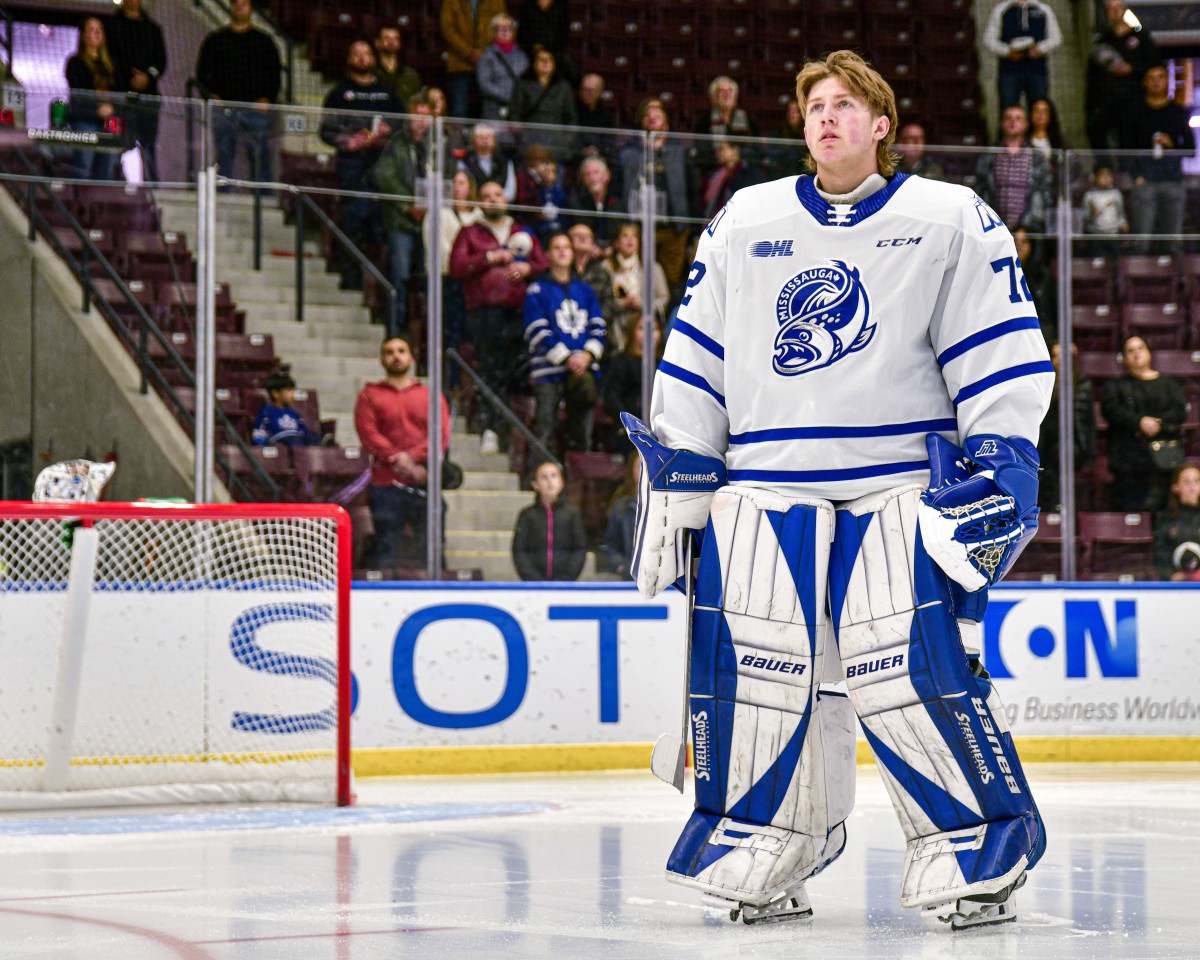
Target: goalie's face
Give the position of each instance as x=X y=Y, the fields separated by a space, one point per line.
x=841 y=133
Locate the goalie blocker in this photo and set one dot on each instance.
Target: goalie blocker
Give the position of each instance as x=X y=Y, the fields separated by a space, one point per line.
x=774 y=749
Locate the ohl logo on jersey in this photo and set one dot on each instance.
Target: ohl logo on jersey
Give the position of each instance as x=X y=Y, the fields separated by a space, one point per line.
x=824 y=314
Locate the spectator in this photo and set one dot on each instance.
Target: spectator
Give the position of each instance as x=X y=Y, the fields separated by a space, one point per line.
x=1141 y=407
x=549 y=542
x=910 y=146
x=543 y=97
x=241 y=64
x=279 y=422
x=623 y=381
x=391 y=418
x=1083 y=422
x=462 y=211
x=1177 y=529
x=91 y=74
x=595 y=195
x=437 y=101
x=674 y=175
x=788 y=160
x=564 y=334
x=1104 y=212
x=620 y=534
x=538 y=186
x=495 y=280
x=731 y=175
x=1040 y=279
x=390 y=69
x=723 y=119
x=1045 y=135
x=465 y=28
x=546 y=23
x=353 y=122
x=592 y=112
x=499 y=67
x=485 y=162
x=589 y=265
x=625 y=265
x=1021 y=33
x=1017 y=182
x=1158 y=198
x=140 y=55
x=397 y=172
x=1120 y=56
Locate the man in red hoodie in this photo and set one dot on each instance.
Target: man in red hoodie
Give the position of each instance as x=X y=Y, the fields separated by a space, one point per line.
x=495 y=260
x=392 y=420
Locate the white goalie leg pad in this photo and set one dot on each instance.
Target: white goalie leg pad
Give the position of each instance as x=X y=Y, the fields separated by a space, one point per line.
x=774 y=756
x=936 y=729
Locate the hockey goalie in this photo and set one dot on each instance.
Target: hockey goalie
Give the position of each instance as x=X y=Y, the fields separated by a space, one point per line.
x=845 y=419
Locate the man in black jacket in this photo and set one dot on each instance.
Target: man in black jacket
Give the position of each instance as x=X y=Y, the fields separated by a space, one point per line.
x=241 y=64
x=136 y=43
x=357 y=120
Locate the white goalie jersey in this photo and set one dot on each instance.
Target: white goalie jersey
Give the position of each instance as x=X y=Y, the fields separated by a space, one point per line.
x=817 y=344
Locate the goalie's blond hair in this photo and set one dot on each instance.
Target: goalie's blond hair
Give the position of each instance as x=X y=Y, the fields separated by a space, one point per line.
x=864 y=81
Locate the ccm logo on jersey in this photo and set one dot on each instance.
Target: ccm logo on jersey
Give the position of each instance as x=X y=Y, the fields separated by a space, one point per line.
x=872 y=666
x=778 y=666
x=899 y=242
x=771 y=248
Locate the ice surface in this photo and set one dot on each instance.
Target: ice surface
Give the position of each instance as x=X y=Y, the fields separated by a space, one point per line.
x=569 y=866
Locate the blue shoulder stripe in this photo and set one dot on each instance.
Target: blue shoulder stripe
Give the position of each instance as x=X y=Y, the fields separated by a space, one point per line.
x=984 y=336
x=826 y=476
x=831 y=433
x=1001 y=376
x=707 y=342
x=692 y=379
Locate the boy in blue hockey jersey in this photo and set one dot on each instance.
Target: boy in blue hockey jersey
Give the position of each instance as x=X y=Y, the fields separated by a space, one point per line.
x=278 y=421
x=565 y=334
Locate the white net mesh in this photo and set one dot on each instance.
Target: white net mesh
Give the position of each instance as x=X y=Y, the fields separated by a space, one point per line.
x=208 y=656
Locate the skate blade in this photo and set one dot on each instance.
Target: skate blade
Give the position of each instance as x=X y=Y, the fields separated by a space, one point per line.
x=773 y=917
x=781 y=911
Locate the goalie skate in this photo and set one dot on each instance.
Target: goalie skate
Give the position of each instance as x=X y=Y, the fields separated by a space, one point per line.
x=984 y=910
x=792 y=904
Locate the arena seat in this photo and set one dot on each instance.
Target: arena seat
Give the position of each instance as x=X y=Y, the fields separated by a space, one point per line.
x=1116 y=543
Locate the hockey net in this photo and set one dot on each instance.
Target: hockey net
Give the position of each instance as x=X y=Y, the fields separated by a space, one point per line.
x=173 y=653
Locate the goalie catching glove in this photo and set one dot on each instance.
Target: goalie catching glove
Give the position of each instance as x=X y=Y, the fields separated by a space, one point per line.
x=981 y=506
x=674 y=495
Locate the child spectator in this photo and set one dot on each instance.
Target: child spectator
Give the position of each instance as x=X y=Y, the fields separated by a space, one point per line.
x=565 y=335
x=549 y=542
x=1177 y=529
x=620 y=534
x=1104 y=212
x=538 y=186
x=280 y=422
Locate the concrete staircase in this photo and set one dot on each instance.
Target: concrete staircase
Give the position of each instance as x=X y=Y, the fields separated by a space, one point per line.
x=335 y=351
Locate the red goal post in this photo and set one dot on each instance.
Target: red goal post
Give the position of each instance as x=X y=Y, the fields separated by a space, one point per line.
x=167 y=652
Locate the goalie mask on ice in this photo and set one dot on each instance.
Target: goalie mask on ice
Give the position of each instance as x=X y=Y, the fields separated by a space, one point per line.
x=981 y=506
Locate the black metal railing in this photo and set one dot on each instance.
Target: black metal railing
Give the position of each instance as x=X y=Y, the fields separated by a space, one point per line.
x=137 y=341
x=496 y=402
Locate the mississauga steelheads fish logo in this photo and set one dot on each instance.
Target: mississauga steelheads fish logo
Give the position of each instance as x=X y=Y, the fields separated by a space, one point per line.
x=824 y=315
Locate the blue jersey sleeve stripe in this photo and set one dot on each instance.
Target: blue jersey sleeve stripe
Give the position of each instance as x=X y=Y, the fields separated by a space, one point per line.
x=827 y=476
x=692 y=379
x=832 y=433
x=984 y=336
x=707 y=342
x=1002 y=376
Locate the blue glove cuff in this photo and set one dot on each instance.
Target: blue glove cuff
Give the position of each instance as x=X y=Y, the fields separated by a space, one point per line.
x=674 y=471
